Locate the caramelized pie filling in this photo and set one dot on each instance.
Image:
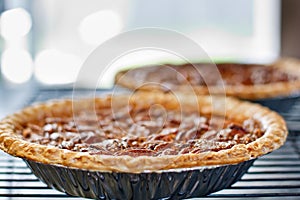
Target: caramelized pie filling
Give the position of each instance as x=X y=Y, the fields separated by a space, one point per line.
x=231 y=74
x=141 y=132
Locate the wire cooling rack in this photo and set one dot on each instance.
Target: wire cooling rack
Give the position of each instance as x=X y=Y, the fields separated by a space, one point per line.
x=273 y=176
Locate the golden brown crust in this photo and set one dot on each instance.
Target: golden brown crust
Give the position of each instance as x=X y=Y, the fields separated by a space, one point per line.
x=251 y=92
x=274 y=137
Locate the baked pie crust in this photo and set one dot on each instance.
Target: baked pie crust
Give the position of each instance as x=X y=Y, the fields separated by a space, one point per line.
x=12 y=142
x=285 y=72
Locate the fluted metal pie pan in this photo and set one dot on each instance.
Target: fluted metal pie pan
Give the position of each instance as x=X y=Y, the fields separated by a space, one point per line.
x=280 y=104
x=167 y=184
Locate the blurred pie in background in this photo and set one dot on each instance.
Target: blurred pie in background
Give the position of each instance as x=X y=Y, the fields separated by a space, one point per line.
x=246 y=81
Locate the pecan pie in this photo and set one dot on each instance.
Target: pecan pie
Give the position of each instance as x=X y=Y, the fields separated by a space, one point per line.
x=142 y=132
x=247 y=81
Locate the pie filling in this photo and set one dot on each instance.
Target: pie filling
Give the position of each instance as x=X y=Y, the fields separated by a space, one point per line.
x=231 y=74
x=141 y=131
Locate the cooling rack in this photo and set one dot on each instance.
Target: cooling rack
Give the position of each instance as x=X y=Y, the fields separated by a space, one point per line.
x=273 y=176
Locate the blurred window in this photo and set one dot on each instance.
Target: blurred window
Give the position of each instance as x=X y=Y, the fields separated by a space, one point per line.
x=54 y=37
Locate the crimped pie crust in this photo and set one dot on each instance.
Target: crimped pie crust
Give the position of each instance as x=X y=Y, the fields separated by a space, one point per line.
x=273 y=124
x=251 y=92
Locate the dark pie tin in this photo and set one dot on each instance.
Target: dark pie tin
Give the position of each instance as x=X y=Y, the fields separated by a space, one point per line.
x=167 y=184
x=280 y=104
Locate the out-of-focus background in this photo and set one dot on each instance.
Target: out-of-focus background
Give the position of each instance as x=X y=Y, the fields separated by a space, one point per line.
x=48 y=40
x=45 y=42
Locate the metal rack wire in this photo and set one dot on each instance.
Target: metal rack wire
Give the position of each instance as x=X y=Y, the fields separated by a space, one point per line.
x=273 y=176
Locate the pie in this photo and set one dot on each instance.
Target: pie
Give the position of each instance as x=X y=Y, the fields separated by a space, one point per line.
x=246 y=81
x=142 y=132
